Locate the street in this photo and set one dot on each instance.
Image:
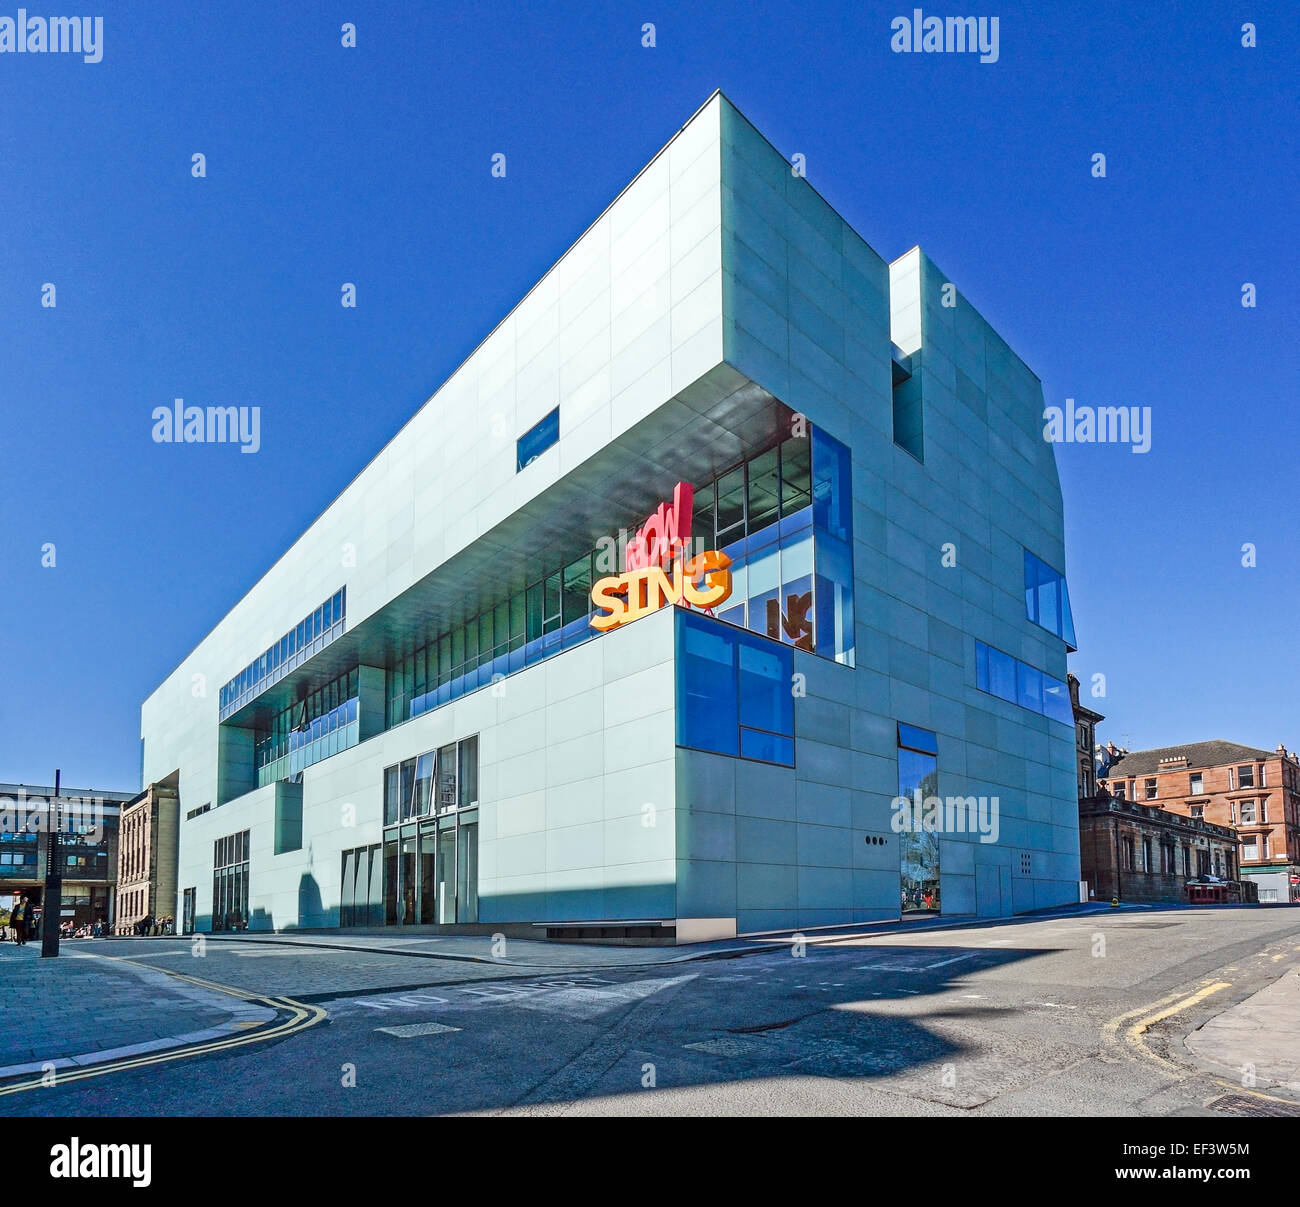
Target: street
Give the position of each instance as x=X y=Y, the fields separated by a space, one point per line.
x=1074 y=1014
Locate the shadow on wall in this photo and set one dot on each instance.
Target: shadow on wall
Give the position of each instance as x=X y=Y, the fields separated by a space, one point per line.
x=311 y=908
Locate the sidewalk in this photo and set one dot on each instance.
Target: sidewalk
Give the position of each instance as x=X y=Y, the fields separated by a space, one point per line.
x=548 y=953
x=1261 y=1034
x=82 y=1009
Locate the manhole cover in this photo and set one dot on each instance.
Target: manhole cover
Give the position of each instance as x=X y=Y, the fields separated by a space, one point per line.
x=1239 y=1104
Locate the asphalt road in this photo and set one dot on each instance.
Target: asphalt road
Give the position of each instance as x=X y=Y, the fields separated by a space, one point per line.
x=1045 y=1017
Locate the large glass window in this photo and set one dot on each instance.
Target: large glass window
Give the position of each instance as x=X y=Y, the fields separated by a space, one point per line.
x=1047 y=599
x=1017 y=682
x=430 y=871
x=317 y=630
x=230 y=882
x=733 y=692
x=918 y=776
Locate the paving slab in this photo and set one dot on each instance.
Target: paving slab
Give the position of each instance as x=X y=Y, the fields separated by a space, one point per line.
x=83 y=1008
x=1258 y=1039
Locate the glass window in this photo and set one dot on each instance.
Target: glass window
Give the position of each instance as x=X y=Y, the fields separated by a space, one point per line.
x=551 y=620
x=796 y=475
x=447 y=777
x=731 y=505
x=501 y=627
x=577 y=589
x=1246 y=777
x=764 y=490
x=1196 y=783
x=733 y=692
x=702 y=517
x=534 y=442
x=423 y=784
x=1047 y=599
x=911 y=737
x=766 y=698
x=518 y=624
x=467 y=787
x=407 y=788
x=707 y=697
x=832 y=486
x=536 y=611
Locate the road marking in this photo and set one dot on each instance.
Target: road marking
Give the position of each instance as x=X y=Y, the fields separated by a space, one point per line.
x=1053 y=1005
x=411 y=1030
x=970 y=955
x=301 y=1017
x=1134 y=1035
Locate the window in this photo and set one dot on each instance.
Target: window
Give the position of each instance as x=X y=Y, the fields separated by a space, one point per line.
x=1187 y=861
x=1167 y=859
x=1245 y=777
x=272 y=665
x=733 y=692
x=1150 y=789
x=909 y=422
x=1130 y=854
x=1248 y=817
x=1147 y=865
x=229 y=882
x=534 y=442
x=1119 y=791
x=1198 y=810
x=1017 y=682
x=918 y=772
x=1196 y=783
x=1047 y=599
x=1250 y=848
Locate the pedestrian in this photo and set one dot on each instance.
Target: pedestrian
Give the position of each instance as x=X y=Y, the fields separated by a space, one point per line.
x=18 y=920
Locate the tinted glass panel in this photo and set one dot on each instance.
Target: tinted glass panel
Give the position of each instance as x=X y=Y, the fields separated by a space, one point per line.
x=534 y=442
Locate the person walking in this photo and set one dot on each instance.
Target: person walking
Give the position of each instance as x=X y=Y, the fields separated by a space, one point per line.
x=18 y=920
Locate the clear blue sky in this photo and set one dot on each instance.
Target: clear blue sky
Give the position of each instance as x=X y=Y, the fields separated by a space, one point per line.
x=371 y=165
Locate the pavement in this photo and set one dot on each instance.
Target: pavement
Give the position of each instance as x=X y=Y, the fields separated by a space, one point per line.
x=83 y=1009
x=1258 y=1040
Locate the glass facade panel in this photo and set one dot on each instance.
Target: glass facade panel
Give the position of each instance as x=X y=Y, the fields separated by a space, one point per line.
x=1017 y=682
x=534 y=442
x=1047 y=599
x=918 y=774
x=733 y=692
x=764 y=497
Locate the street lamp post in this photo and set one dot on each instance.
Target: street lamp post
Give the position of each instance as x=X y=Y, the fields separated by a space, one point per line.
x=52 y=896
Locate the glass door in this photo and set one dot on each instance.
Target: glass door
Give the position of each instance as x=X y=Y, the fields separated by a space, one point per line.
x=428 y=881
x=187 y=913
x=447 y=872
x=408 y=911
x=467 y=870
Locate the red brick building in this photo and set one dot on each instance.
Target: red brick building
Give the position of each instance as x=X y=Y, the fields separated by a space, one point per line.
x=1254 y=792
x=1131 y=850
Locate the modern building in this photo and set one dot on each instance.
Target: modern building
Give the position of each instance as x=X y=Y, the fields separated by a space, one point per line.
x=1257 y=792
x=466 y=697
x=146 y=857
x=88 y=832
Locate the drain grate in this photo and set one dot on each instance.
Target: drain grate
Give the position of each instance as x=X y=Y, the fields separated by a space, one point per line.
x=1240 y=1104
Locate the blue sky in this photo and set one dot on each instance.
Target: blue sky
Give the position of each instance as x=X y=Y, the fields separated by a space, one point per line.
x=371 y=165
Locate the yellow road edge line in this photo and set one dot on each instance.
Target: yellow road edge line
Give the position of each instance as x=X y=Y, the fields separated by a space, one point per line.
x=1133 y=1036
x=303 y=1015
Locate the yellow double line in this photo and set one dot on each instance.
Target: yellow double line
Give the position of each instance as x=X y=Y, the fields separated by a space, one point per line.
x=300 y=1016
x=1146 y=1017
